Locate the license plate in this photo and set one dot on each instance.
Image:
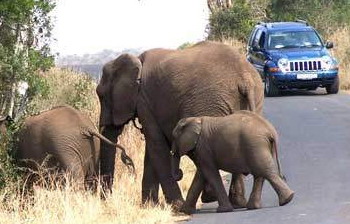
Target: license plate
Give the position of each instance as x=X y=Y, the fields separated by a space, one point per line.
x=307 y=76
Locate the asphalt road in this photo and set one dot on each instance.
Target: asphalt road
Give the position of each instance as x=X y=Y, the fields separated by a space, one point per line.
x=314 y=149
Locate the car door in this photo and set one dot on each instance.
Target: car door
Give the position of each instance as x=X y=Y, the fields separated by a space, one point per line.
x=257 y=51
x=250 y=45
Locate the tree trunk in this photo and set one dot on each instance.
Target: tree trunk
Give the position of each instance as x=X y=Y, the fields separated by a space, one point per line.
x=217 y=5
x=12 y=98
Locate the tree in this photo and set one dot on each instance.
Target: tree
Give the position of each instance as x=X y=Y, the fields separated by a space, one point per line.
x=235 y=21
x=325 y=15
x=25 y=36
x=217 y=5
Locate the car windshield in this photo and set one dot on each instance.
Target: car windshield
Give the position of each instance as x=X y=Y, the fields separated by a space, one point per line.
x=293 y=39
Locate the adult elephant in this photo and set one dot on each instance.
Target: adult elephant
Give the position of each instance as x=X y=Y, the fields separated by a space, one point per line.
x=162 y=86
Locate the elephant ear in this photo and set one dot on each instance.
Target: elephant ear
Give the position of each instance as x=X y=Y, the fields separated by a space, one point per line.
x=126 y=71
x=186 y=134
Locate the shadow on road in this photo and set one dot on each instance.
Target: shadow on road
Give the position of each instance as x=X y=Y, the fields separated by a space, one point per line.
x=300 y=92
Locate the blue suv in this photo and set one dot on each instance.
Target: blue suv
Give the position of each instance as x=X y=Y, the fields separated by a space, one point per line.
x=292 y=55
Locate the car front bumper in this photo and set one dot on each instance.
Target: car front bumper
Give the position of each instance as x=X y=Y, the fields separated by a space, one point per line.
x=293 y=80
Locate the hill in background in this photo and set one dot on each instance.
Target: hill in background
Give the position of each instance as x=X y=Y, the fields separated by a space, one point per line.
x=91 y=64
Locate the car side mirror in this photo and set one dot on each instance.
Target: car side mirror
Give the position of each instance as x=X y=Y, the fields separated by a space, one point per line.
x=256 y=48
x=329 y=44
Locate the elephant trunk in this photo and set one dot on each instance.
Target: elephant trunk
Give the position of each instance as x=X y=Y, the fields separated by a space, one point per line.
x=176 y=172
x=107 y=156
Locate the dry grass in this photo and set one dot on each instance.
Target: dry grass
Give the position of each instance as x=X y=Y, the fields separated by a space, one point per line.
x=240 y=46
x=69 y=205
x=341 y=51
x=68 y=87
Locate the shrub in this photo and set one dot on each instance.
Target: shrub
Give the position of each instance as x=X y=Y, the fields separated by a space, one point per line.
x=236 y=22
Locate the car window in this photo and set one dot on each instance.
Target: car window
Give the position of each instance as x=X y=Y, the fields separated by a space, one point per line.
x=257 y=38
x=262 y=40
x=293 y=39
x=252 y=35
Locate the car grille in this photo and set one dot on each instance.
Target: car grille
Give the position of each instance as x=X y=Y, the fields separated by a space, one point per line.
x=312 y=65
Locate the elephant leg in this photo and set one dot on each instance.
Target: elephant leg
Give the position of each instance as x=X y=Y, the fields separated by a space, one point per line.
x=237 y=191
x=196 y=187
x=208 y=195
x=255 y=197
x=158 y=170
x=107 y=156
x=150 y=183
x=72 y=165
x=160 y=161
x=285 y=194
x=78 y=176
x=212 y=176
x=158 y=152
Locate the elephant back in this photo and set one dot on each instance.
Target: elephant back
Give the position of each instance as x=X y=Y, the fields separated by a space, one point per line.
x=208 y=79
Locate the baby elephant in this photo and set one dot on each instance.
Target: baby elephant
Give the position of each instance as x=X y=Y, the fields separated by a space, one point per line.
x=243 y=142
x=63 y=137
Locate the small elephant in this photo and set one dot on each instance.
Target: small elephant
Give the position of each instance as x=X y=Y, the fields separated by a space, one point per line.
x=69 y=137
x=241 y=143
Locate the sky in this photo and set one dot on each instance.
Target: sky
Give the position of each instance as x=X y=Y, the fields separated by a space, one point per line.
x=90 y=26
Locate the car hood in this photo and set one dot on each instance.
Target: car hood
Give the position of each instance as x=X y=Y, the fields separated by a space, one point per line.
x=297 y=54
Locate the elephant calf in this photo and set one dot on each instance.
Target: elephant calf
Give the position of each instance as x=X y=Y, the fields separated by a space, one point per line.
x=243 y=142
x=63 y=137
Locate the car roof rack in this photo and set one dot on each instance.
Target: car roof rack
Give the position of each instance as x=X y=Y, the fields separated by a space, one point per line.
x=302 y=21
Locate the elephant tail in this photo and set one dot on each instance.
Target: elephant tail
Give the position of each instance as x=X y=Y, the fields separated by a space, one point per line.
x=124 y=157
x=251 y=100
x=247 y=90
x=274 y=152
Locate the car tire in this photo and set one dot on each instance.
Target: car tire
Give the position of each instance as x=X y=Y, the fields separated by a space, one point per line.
x=270 y=88
x=333 y=88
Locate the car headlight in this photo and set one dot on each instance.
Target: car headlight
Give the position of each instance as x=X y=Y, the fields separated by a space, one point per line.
x=283 y=64
x=327 y=63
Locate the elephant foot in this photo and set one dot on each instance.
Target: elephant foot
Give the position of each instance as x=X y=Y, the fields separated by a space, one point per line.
x=206 y=198
x=188 y=210
x=226 y=208
x=177 y=205
x=238 y=202
x=208 y=195
x=253 y=205
x=286 y=198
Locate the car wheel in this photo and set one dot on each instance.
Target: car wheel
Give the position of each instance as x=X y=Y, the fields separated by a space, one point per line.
x=333 y=88
x=270 y=87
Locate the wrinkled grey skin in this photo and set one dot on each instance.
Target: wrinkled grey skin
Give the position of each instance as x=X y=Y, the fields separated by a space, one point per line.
x=162 y=86
x=241 y=143
x=69 y=138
